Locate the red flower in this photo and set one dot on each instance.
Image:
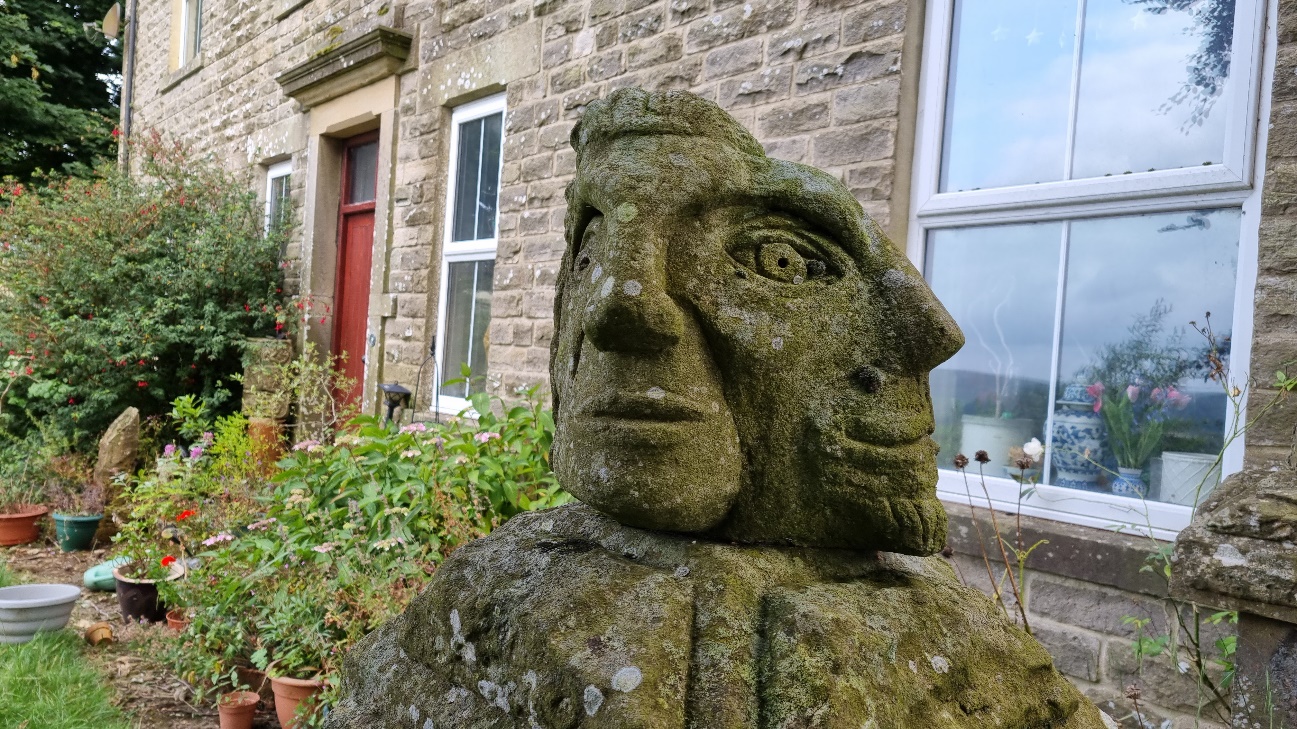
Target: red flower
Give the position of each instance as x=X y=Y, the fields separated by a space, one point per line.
x=168 y=560
x=185 y=514
x=72 y=401
x=142 y=383
x=116 y=133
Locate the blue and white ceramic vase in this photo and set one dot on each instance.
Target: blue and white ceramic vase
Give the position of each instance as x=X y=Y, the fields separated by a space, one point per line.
x=1078 y=430
x=1130 y=482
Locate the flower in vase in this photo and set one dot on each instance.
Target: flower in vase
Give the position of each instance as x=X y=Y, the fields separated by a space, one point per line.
x=1096 y=391
x=1132 y=392
x=1033 y=449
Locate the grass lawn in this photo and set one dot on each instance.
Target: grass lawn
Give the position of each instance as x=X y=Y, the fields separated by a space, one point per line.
x=48 y=684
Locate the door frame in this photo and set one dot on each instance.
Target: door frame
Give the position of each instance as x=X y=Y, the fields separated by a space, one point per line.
x=345 y=209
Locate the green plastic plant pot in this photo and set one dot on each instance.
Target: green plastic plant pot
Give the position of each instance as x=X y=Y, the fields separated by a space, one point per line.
x=76 y=533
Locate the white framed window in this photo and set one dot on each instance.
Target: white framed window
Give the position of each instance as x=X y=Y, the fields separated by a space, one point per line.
x=278 y=194
x=191 y=33
x=1085 y=188
x=468 y=249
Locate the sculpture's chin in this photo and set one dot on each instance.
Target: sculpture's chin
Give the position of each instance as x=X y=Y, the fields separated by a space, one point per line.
x=667 y=476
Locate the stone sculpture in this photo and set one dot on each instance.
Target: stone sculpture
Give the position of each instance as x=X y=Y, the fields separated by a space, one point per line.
x=740 y=385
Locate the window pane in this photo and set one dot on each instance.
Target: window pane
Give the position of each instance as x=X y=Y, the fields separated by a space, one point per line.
x=1000 y=284
x=1135 y=286
x=363 y=169
x=277 y=201
x=1009 y=93
x=490 y=188
x=1151 y=74
x=467 y=176
x=468 y=316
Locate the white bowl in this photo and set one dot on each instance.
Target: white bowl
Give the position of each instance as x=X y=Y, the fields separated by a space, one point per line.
x=26 y=609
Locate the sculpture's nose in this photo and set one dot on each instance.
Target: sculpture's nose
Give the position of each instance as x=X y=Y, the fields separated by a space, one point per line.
x=923 y=333
x=630 y=310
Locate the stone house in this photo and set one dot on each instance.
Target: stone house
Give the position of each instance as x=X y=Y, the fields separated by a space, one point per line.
x=1081 y=181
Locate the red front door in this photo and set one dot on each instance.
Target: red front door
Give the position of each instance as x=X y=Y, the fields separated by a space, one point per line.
x=355 y=256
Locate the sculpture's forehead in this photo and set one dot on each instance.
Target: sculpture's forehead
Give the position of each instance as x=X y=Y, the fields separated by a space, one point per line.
x=663 y=169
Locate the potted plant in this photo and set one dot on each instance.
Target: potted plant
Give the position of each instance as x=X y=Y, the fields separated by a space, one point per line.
x=1134 y=389
x=152 y=539
x=21 y=509
x=297 y=644
x=237 y=708
x=78 y=503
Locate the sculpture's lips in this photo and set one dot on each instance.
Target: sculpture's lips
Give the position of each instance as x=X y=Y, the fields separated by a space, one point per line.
x=652 y=405
x=895 y=431
x=917 y=453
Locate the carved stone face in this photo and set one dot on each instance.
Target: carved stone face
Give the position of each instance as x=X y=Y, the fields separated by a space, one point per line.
x=739 y=350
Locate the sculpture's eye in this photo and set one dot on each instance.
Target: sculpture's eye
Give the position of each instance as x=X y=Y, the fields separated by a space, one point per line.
x=589 y=233
x=784 y=257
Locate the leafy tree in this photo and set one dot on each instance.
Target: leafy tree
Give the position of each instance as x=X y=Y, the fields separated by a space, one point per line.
x=130 y=291
x=58 y=91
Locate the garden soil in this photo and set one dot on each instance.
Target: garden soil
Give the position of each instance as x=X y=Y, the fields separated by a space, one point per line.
x=146 y=691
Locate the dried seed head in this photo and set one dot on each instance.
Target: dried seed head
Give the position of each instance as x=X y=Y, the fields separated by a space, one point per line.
x=961 y=461
x=1132 y=692
x=981 y=457
x=1023 y=463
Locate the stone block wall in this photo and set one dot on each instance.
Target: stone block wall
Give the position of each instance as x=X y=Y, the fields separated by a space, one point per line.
x=1082 y=590
x=816 y=82
x=1274 y=338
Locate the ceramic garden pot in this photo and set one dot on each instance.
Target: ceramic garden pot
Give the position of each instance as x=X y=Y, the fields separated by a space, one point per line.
x=27 y=609
x=1129 y=482
x=289 y=694
x=138 y=599
x=1078 y=429
x=995 y=436
x=76 y=533
x=237 y=709
x=21 y=527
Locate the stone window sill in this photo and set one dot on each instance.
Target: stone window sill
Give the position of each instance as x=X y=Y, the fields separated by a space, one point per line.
x=1097 y=556
x=182 y=73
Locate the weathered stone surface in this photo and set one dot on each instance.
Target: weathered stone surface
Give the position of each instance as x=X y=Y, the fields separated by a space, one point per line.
x=566 y=618
x=739 y=349
x=1240 y=549
x=118 y=448
x=263 y=394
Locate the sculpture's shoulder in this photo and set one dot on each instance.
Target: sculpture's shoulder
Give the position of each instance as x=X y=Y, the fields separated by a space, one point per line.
x=908 y=646
x=538 y=625
x=566 y=619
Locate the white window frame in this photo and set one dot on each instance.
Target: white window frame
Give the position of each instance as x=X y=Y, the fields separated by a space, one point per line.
x=274 y=172
x=461 y=251
x=1234 y=183
x=191 y=12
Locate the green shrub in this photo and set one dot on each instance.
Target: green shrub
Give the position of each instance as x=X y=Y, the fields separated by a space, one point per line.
x=351 y=532
x=130 y=291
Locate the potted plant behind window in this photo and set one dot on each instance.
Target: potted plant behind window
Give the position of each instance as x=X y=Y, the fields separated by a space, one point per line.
x=1135 y=385
x=78 y=503
x=21 y=510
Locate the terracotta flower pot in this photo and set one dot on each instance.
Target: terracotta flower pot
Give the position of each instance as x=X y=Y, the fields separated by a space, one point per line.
x=289 y=693
x=176 y=619
x=21 y=527
x=100 y=632
x=255 y=680
x=237 y=709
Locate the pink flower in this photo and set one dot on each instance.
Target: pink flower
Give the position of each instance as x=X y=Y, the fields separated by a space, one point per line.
x=196 y=452
x=484 y=437
x=1157 y=395
x=217 y=539
x=1132 y=393
x=306 y=445
x=411 y=453
x=169 y=450
x=322 y=548
x=414 y=428
x=1178 y=399
x=1096 y=391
